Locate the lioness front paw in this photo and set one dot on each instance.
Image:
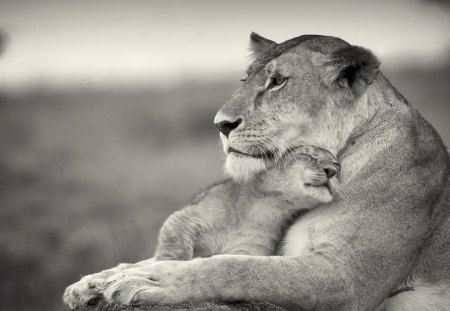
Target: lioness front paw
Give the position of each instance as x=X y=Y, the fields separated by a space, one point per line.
x=88 y=291
x=164 y=282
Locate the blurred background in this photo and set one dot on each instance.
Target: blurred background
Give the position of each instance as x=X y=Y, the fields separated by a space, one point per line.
x=106 y=110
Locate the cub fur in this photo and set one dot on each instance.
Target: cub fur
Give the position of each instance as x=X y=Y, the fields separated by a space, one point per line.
x=255 y=215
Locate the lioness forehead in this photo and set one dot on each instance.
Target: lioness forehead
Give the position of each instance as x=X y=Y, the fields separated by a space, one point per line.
x=323 y=43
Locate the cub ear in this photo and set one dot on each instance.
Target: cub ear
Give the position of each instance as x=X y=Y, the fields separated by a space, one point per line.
x=351 y=67
x=259 y=45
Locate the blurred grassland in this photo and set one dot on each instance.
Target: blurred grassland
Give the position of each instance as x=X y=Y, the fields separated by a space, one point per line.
x=88 y=176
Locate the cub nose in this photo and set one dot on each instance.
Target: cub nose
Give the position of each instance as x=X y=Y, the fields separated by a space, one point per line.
x=330 y=171
x=226 y=126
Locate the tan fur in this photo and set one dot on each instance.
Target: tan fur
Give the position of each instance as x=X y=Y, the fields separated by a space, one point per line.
x=389 y=229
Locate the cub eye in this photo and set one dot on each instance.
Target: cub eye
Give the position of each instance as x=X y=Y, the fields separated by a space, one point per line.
x=244 y=77
x=276 y=82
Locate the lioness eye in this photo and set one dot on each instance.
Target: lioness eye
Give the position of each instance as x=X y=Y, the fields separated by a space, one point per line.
x=279 y=80
x=244 y=78
x=276 y=82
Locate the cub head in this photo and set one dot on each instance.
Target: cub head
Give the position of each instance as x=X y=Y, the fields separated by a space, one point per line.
x=309 y=90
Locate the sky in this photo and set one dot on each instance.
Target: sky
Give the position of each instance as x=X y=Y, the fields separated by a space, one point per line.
x=102 y=41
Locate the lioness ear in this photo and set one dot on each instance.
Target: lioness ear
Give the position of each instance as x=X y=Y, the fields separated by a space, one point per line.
x=353 y=67
x=259 y=45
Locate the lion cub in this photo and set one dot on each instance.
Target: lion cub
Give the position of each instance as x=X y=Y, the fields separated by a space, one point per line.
x=233 y=218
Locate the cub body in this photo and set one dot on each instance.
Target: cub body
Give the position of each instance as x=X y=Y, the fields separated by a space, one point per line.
x=250 y=218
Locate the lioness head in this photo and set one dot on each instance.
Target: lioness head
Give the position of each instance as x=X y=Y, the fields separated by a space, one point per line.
x=305 y=91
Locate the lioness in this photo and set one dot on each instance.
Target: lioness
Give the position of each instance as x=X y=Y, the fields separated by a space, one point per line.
x=391 y=233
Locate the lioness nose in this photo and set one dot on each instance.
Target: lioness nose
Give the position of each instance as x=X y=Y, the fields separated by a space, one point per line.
x=226 y=126
x=330 y=171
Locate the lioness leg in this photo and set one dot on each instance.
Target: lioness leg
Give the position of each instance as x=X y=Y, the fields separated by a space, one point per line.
x=293 y=282
x=422 y=296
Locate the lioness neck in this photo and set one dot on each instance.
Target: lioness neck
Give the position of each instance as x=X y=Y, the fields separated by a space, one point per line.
x=382 y=108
